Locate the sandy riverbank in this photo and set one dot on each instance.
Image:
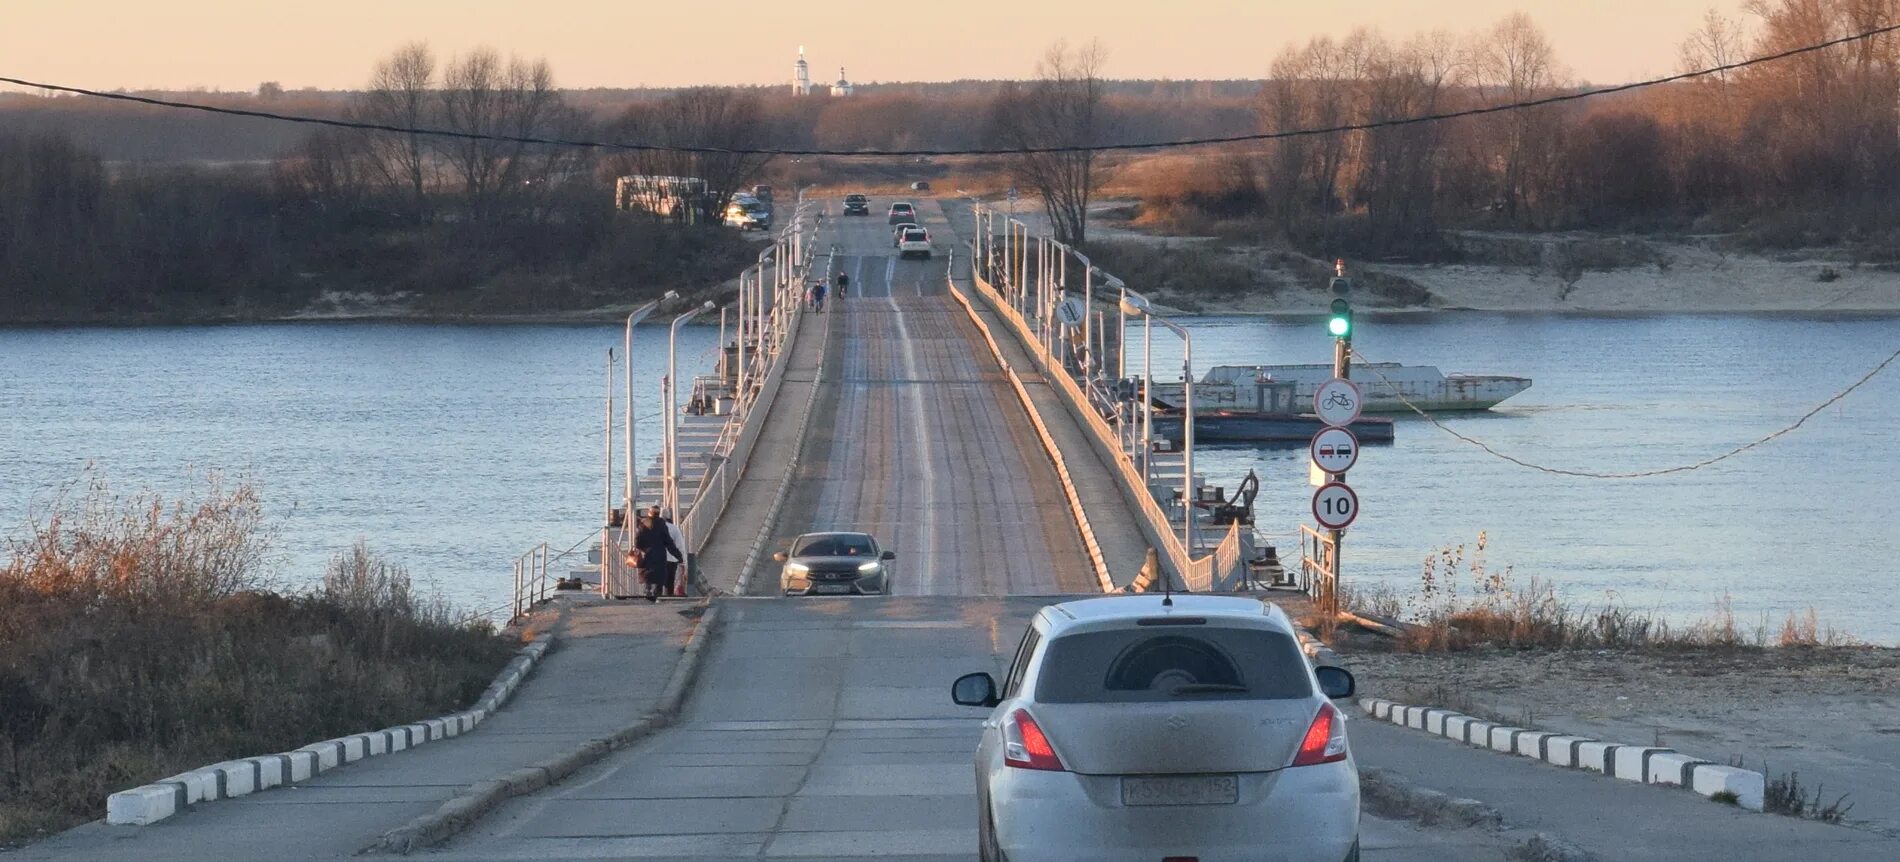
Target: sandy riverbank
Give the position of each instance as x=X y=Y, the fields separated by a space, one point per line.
x=1564 y=273
x=1830 y=714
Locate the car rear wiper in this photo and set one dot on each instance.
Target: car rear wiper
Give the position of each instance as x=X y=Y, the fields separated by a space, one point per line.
x=1207 y=688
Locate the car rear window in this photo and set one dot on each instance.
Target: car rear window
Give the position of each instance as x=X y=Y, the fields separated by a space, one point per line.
x=1175 y=664
x=915 y=236
x=902 y=208
x=835 y=546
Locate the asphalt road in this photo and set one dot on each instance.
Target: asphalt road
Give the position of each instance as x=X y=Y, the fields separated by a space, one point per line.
x=821 y=730
x=918 y=438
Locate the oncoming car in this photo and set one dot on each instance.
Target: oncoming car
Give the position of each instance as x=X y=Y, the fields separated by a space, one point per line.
x=856 y=204
x=1147 y=728
x=840 y=564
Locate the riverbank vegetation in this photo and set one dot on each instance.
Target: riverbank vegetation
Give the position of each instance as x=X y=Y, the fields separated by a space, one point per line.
x=1790 y=154
x=142 y=636
x=1463 y=603
x=440 y=226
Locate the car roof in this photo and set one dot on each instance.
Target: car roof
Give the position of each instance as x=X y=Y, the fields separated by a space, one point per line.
x=1116 y=611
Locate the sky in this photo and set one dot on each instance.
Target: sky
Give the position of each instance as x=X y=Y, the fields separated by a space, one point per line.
x=332 y=44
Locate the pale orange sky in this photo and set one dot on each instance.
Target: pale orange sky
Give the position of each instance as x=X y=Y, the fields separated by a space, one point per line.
x=234 y=44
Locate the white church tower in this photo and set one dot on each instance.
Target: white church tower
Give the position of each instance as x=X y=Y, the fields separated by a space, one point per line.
x=801 y=75
x=843 y=87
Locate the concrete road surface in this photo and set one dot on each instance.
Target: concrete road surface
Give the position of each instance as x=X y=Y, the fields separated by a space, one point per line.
x=919 y=439
x=821 y=730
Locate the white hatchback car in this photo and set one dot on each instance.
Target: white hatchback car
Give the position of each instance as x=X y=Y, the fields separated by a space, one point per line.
x=1154 y=728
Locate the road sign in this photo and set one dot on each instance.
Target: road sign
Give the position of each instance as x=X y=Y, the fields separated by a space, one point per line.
x=1337 y=402
x=1335 y=505
x=1334 y=450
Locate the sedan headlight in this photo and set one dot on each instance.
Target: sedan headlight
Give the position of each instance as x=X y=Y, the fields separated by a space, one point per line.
x=797 y=568
x=871 y=566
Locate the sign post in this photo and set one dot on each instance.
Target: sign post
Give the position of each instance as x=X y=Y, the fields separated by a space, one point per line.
x=1335 y=449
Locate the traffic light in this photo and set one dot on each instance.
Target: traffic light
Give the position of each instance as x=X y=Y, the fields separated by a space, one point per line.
x=1340 y=323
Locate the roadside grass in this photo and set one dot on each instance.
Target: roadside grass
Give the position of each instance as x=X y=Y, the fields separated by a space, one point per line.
x=140 y=637
x=1786 y=795
x=1464 y=603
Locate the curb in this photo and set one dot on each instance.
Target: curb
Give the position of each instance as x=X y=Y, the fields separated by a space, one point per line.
x=1048 y=441
x=1639 y=763
x=151 y=803
x=482 y=797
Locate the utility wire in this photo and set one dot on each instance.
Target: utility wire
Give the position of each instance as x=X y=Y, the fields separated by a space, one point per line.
x=979 y=151
x=1640 y=474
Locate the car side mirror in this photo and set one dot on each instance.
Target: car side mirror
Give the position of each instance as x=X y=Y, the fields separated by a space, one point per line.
x=975 y=689
x=780 y=556
x=888 y=555
x=1336 y=682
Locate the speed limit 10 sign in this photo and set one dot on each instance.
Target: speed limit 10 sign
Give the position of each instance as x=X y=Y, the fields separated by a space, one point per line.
x=1335 y=506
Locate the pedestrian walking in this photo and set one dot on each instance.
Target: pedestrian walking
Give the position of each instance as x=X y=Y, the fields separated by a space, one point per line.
x=676 y=556
x=818 y=296
x=651 y=544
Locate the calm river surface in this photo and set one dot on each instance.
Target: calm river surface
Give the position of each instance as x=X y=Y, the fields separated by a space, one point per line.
x=454 y=448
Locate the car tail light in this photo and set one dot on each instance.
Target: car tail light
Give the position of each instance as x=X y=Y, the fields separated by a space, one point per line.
x=1025 y=746
x=1325 y=740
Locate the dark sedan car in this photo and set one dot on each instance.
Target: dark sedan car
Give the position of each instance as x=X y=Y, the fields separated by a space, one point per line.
x=835 y=564
x=857 y=205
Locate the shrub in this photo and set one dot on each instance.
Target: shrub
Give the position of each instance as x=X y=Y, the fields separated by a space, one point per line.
x=141 y=637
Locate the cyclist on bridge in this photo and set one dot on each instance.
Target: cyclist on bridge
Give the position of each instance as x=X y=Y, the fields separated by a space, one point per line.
x=844 y=281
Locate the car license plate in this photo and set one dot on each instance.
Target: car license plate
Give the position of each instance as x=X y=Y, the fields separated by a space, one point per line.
x=1181 y=790
x=831 y=589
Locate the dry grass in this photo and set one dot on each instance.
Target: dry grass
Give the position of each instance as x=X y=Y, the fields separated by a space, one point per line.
x=1464 y=603
x=140 y=637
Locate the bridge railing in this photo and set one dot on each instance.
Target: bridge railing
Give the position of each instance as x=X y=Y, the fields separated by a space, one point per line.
x=740 y=434
x=1034 y=274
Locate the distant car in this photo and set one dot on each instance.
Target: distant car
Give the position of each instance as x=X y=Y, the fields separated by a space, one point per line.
x=826 y=564
x=857 y=205
x=1143 y=727
x=748 y=215
x=914 y=242
x=920 y=186
x=897 y=232
x=902 y=212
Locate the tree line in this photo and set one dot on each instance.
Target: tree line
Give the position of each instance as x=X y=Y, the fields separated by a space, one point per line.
x=1800 y=150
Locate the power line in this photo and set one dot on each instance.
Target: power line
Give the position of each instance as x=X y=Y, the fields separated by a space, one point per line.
x=1640 y=474
x=980 y=151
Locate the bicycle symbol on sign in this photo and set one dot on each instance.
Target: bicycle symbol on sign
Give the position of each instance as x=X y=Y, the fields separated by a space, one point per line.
x=1340 y=399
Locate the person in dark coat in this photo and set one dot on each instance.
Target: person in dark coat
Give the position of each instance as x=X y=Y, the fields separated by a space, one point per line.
x=654 y=542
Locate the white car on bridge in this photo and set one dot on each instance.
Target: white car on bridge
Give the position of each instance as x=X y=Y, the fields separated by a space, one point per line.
x=914 y=242
x=1150 y=728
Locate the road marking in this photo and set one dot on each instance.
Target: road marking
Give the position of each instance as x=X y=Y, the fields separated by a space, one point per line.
x=920 y=432
x=890 y=278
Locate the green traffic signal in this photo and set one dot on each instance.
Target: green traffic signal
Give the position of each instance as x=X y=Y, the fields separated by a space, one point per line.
x=1340 y=324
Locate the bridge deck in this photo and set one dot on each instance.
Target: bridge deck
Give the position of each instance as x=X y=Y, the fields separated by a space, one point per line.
x=919 y=439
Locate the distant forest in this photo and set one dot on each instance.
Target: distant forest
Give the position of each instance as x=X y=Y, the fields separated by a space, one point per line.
x=108 y=209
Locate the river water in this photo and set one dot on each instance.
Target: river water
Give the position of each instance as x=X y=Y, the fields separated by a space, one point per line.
x=454 y=448
x=451 y=449
x=1807 y=520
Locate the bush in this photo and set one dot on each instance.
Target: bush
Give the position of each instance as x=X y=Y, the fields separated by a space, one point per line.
x=141 y=637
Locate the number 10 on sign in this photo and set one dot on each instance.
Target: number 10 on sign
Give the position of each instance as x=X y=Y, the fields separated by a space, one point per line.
x=1335 y=506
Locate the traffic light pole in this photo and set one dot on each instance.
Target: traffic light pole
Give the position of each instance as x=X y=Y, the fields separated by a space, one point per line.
x=1342 y=369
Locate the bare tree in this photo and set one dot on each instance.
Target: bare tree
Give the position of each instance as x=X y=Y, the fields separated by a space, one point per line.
x=402 y=93
x=1515 y=64
x=482 y=95
x=719 y=118
x=1062 y=111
